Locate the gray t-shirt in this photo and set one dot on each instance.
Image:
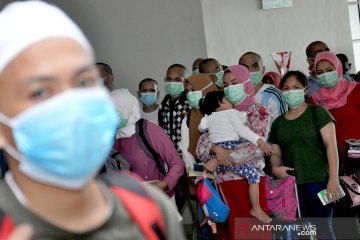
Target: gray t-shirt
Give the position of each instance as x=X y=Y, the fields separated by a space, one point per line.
x=118 y=226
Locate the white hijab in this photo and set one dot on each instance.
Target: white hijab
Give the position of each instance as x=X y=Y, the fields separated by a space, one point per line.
x=128 y=107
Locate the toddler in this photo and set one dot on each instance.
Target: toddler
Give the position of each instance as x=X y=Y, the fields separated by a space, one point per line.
x=226 y=126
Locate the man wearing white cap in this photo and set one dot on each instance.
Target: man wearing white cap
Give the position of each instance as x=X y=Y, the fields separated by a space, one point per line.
x=57 y=125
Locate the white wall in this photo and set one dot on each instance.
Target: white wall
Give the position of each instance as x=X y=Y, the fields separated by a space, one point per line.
x=141 y=38
x=233 y=27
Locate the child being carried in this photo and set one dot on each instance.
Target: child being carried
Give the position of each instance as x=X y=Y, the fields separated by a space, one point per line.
x=226 y=126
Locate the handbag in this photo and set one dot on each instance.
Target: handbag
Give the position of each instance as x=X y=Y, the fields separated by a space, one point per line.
x=212 y=204
x=351 y=188
x=281 y=198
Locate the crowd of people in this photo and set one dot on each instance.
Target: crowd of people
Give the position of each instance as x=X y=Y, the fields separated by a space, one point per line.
x=78 y=151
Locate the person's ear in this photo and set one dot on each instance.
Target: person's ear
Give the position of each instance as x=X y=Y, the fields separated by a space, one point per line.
x=158 y=94
x=306 y=91
x=111 y=79
x=310 y=61
x=138 y=94
x=263 y=71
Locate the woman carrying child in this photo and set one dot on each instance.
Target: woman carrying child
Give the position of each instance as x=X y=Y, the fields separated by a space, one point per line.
x=226 y=126
x=239 y=90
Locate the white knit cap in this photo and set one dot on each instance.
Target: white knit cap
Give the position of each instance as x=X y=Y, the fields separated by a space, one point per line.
x=25 y=23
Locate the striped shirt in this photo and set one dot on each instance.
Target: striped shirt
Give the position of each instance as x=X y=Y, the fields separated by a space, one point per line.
x=272 y=99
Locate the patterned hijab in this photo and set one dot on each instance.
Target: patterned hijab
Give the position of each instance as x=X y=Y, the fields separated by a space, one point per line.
x=336 y=97
x=275 y=77
x=198 y=82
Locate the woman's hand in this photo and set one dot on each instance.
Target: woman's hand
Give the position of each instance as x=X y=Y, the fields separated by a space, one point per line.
x=211 y=165
x=162 y=185
x=333 y=188
x=222 y=155
x=280 y=172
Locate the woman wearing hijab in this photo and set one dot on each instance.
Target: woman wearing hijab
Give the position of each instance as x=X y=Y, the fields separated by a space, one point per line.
x=196 y=86
x=341 y=98
x=338 y=96
x=57 y=123
x=130 y=148
x=239 y=90
x=272 y=78
x=303 y=139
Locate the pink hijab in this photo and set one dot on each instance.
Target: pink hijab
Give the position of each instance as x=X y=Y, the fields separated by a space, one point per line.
x=336 y=97
x=275 y=77
x=241 y=74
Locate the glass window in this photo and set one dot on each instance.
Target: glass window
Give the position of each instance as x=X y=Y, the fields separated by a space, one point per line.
x=354 y=17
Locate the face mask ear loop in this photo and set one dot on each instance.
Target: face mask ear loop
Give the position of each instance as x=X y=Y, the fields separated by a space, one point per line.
x=206 y=86
x=5 y=120
x=12 y=152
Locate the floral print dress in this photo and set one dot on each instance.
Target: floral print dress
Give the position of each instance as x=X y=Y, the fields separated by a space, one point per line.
x=258 y=120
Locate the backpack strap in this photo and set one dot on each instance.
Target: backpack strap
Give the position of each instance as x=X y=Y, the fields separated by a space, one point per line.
x=144 y=141
x=6 y=226
x=138 y=203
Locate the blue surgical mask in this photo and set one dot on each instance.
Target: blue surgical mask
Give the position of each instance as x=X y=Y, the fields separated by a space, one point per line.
x=148 y=98
x=64 y=140
x=219 y=78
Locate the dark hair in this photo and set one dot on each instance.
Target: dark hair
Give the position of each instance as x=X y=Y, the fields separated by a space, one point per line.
x=204 y=63
x=211 y=102
x=310 y=46
x=147 y=80
x=259 y=58
x=297 y=74
x=343 y=59
x=106 y=66
x=224 y=67
x=177 y=65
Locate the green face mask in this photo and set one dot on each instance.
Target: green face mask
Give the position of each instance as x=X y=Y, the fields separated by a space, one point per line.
x=174 y=88
x=235 y=93
x=122 y=123
x=196 y=71
x=294 y=98
x=328 y=79
x=194 y=97
x=255 y=77
x=219 y=78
